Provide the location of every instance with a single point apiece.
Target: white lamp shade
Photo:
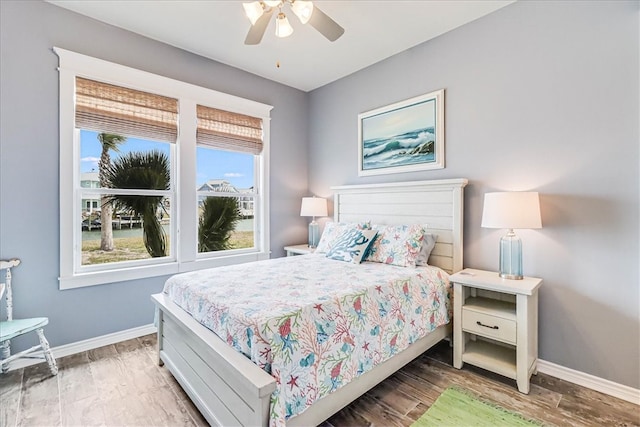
(303, 10)
(253, 10)
(313, 206)
(514, 209)
(283, 28)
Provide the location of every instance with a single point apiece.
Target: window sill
(149, 271)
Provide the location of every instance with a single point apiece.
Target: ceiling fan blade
(254, 36)
(325, 25)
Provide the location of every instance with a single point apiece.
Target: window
(135, 204)
(176, 172)
(127, 220)
(223, 139)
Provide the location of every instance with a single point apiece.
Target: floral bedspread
(314, 323)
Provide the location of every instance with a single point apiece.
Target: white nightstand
(495, 324)
(298, 250)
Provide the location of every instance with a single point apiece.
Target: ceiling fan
(259, 13)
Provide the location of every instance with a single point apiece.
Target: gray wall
(539, 96)
(29, 202)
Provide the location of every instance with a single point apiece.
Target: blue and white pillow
(334, 230)
(352, 245)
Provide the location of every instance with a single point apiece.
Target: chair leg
(5, 352)
(51, 361)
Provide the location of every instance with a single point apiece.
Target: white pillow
(428, 243)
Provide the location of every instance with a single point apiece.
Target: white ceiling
(374, 30)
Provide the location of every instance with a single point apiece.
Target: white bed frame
(231, 390)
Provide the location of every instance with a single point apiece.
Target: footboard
(227, 387)
(230, 390)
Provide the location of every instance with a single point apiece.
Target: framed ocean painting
(406, 136)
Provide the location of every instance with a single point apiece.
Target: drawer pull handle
(479, 323)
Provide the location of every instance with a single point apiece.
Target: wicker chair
(12, 328)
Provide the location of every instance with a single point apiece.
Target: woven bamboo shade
(229, 131)
(103, 107)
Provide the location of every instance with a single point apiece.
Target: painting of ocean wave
(403, 137)
(406, 149)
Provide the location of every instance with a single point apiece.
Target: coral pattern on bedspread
(312, 322)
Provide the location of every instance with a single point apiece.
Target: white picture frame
(407, 136)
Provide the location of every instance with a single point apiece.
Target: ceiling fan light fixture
(302, 9)
(253, 10)
(305, 10)
(283, 28)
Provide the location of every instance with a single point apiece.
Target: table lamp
(511, 210)
(313, 207)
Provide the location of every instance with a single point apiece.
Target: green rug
(457, 407)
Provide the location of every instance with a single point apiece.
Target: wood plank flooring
(121, 385)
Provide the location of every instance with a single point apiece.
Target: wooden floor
(121, 385)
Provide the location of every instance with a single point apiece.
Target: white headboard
(438, 203)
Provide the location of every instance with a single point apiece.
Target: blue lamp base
(314, 234)
(511, 256)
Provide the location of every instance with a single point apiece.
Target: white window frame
(184, 256)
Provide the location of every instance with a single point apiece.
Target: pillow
(352, 245)
(333, 230)
(396, 244)
(428, 243)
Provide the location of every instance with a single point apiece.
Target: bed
(230, 389)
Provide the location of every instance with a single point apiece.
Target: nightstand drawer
(489, 326)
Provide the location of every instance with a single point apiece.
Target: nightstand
(495, 324)
(298, 250)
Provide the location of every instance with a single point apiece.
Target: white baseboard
(89, 344)
(620, 391)
(610, 388)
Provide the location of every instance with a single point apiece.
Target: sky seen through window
(237, 168)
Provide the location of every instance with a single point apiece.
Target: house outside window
(89, 180)
(182, 184)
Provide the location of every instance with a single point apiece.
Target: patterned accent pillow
(333, 230)
(352, 246)
(396, 244)
(428, 243)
